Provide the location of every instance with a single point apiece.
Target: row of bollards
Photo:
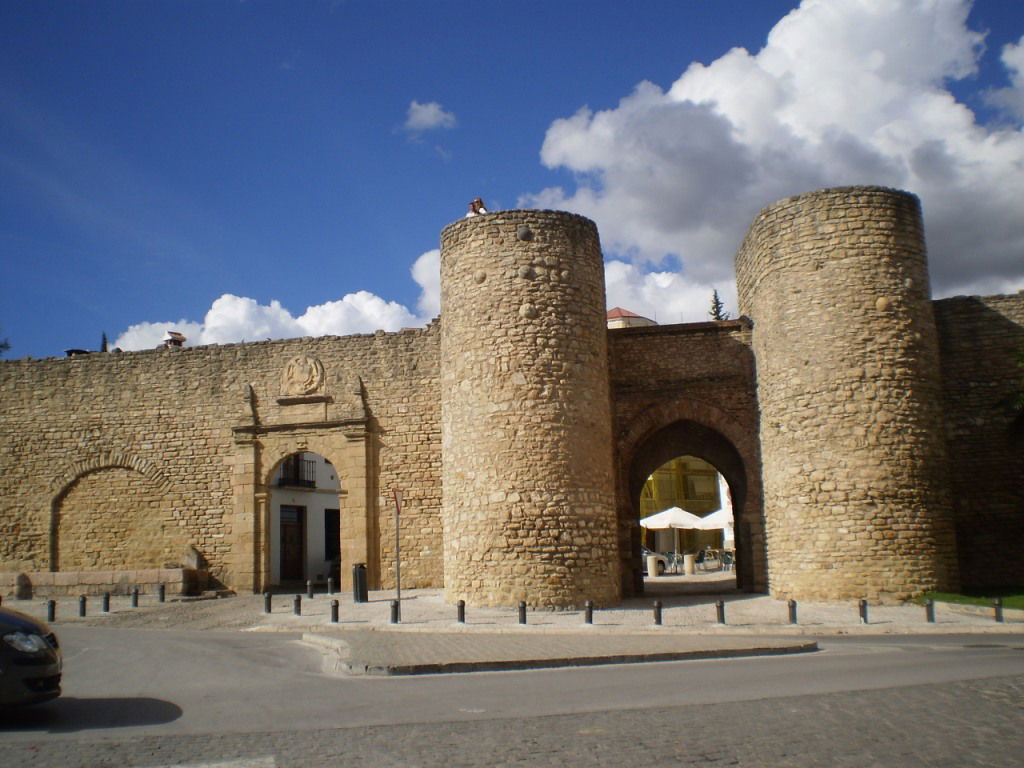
(588, 607)
(83, 603)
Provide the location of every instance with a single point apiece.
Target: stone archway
(260, 451)
(685, 427)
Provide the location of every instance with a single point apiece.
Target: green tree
(717, 311)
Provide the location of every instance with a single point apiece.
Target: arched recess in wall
(110, 511)
(683, 427)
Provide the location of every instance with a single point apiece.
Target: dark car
(30, 660)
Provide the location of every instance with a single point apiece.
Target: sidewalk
(430, 640)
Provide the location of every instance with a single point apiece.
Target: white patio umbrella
(672, 518)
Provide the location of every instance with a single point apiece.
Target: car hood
(15, 621)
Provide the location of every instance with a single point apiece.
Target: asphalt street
(228, 698)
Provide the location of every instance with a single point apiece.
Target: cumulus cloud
(1011, 99)
(843, 92)
(427, 117)
(237, 318)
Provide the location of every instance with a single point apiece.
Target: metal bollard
(522, 611)
(82, 599)
(461, 612)
(106, 602)
(359, 583)
(589, 615)
(720, 610)
(297, 605)
(792, 611)
(396, 617)
(161, 593)
(51, 610)
(657, 613)
(929, 611)
(309, 589)
(135, 597)
(334, 611)
(997, 604)
(863, 611)
(267, 602)
(330, 585)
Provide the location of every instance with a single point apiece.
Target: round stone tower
(528, 500)
(856, 497)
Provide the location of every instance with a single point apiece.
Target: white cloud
(844, 92)
(1011, 99)
(427, 117)
(238, 318)
(664, 296)
(426, 271)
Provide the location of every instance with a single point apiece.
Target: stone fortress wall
(855, 470)
(857, 433)
(123, 461)
(528, 489)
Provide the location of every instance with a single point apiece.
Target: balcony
(297, 472)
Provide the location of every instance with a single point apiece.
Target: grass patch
(1012, 597)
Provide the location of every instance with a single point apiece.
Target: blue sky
(248, 170)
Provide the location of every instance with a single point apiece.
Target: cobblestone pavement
(973, 723)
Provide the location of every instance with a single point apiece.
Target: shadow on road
(67, 715)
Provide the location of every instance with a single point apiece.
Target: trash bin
(689, 564)
(652, 565)
(359, 592)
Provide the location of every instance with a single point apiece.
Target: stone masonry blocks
(856, 495)
(528, 497)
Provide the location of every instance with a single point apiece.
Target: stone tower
(528, 500)
(856, 495)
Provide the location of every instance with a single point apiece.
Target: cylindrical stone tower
(528, 500)
(856, 495)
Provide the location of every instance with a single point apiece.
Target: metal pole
(135, 597)
(461, 612)
(792, 611)
(309, 589)
(297, 605)
(396, 617)
(160, 593)
(330, 585)
(522, 611)
(997, 604)
(657, 613)
(929, 611)
(266, 602)
(51, 610)
(106, 602)
(81, 604)
(589, 606)
(334, 611)
(398, 551)
(720, 610)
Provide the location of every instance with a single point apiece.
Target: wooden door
(293, 543)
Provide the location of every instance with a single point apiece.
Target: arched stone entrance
(668, 430)
(350, 448)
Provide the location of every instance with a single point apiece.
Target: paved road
(153, 698)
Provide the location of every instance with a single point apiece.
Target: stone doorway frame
(351, 447)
